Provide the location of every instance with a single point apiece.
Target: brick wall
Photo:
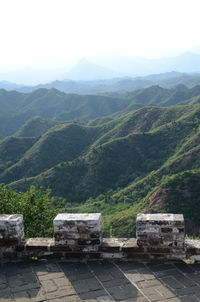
(79, 236)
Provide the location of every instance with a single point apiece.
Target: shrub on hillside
(37, 207)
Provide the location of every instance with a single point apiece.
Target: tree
(36, 206)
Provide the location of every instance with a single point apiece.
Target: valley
(117, 153)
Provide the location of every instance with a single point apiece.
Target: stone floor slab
(99, 281)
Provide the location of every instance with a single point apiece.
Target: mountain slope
(119, 161)
(61, 143)
(120, 207)
(105, 167)
(180, 194)
(34, 127)
(69, 141)
(155, 95)
(18, 108)
(12, 149)
(119, 165)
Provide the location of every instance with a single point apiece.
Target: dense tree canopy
(37, 207)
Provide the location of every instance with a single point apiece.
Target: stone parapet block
(11, 230)
(79, 232)
(161, 231)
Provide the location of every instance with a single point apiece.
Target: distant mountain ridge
(17, 108)
(187, 62)
(112, 86)
(101, 69)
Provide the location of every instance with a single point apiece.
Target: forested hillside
(18, 108)
(119, 155)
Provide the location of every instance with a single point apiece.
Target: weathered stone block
(161, 231)
(11, 229)
(79, 231)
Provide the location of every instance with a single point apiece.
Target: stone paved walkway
(99, 281)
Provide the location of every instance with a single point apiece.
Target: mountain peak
(87, 70)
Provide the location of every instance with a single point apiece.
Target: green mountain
(35, 127)
(118, 167)
(114, 160)
(155, 95)
(100, 155)
(60, 143)
(180, 193)
(67, 142)
(18, 108)
(12, 149)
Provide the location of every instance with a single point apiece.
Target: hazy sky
(51, 33)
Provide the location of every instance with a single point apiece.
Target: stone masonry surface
(79, 237)
(11, 229)
(111, 248)
(98, 281)
(164, 232)
(79, 232)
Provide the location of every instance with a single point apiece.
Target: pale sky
(53, 33)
